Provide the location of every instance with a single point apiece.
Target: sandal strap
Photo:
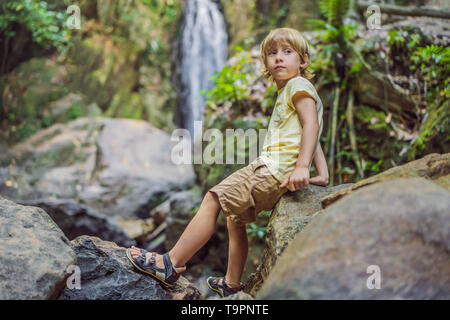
(141, 259)
(152, 260)
(216, 280)
(240, 284)
(220, 286)
(168, 267)
(147, 263)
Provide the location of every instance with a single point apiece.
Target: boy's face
(283, 62)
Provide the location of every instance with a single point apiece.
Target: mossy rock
(29, 91)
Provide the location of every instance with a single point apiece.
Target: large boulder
(76, 220)
(119, 167)
(291, 214)
(397, 229)
(34, 253)
(107, 274)
(182, 206)
(434, 166)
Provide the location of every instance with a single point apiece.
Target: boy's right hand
(298, 178)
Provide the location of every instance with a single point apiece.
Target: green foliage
(163, 8)
(228, 86)
(431, 65)
(278, 15)
(230, 83)
(402, 44)
(256, 230)
(433, 62)
(47, 27)
(412, 52)
(75, 111)
(163, 16)
(334, 10)
(269, 99)
(335, 39)
(375, 119)
(323, 63)
(414, 41)
(396, 38)
(372, 166)
(402, 38)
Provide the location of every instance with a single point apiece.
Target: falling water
(204, 44)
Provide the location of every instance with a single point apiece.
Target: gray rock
(291, 214)
(433, 166)
(159, 213)
(34, 253)
(76, 220)
(402, 226)
(237, 296)
(181, 206)
(134, 171)
(107, 274)
(119, 167)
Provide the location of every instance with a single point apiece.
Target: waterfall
(204, 48)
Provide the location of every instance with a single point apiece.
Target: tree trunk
(334, 117)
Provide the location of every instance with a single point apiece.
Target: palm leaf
(334, 10)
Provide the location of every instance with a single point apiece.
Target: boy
(292, 141)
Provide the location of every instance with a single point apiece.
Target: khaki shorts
(248, 191)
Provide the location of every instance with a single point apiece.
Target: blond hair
(295, 39)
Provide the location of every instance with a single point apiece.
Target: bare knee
(211, 197)
(211, 200)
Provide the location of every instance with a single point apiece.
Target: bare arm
(321, 167)
(307, 114)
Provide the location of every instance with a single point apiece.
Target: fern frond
(334, 10)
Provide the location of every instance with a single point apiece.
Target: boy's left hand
(299, 178)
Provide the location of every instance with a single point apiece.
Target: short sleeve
(300, 85)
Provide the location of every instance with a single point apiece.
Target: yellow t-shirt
(282, 142)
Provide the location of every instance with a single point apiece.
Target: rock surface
(241, 295)
(76, 220)
(434, 166)
(291, 214)
(401, 226)
(119, 167)
(181, 206)
(34, 253)
(107, 274)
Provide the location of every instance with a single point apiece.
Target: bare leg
(197, 233)
(237, 252)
